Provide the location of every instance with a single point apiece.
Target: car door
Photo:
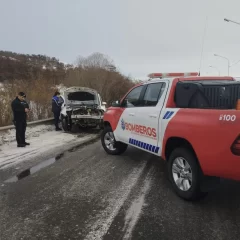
(147, 117)
(126, 114)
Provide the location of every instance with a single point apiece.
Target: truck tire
(185, 174)
(110, 145)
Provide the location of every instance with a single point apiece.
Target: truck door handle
(152, 115)
(131, 114)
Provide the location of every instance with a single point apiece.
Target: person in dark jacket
(20, 109)
(57, 102)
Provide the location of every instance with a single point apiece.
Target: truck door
(126, 121)
(147, 119)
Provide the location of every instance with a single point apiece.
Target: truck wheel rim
(109, 141)
(182, 173)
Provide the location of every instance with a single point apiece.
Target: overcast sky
(141, 36)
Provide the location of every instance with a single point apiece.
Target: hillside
(15, 66)
(39, 76)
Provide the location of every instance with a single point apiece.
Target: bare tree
(96, 60)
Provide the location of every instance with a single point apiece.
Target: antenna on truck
(203, 40)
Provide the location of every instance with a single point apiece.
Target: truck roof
(195, 78)
(174, 78)
(186, 76)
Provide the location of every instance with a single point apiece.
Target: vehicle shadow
(216, 216)
(225, 193)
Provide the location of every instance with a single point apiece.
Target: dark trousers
(20, 131)
(56, 118)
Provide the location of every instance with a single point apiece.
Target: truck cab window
(132, 99)
(153, 93)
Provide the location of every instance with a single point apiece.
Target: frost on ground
(116, 200)
(136, 208)
(42, 138)
(32, 131)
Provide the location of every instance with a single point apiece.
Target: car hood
(80, 95)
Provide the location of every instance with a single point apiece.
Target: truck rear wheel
(185, 174)
(110, 145)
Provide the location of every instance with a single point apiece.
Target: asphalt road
(88, 194)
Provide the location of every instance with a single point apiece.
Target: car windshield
(83, 97)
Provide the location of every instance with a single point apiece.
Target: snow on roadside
(32, 131)
(42, 138)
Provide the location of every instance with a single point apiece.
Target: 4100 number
(225, 117)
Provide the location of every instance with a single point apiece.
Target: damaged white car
(83, 107)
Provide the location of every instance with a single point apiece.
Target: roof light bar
(163, 75)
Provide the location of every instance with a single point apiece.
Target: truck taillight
(235, 148)
(238, 105)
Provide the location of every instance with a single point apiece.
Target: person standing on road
(57, 102)
(20, 109)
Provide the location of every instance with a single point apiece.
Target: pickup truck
(190, 121)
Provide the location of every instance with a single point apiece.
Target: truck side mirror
(116, 103)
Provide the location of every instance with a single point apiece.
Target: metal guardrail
(5, 128)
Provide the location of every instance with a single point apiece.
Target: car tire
(110, 145)
(101, 125)
(65, 125)
(75, 128)
(185, 174)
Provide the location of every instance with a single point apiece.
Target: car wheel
(101, 125)
(185, 174)
(75, 128)
(110, 145)
(66, 127)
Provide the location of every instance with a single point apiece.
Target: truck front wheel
(110, 145)
(185, 174)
